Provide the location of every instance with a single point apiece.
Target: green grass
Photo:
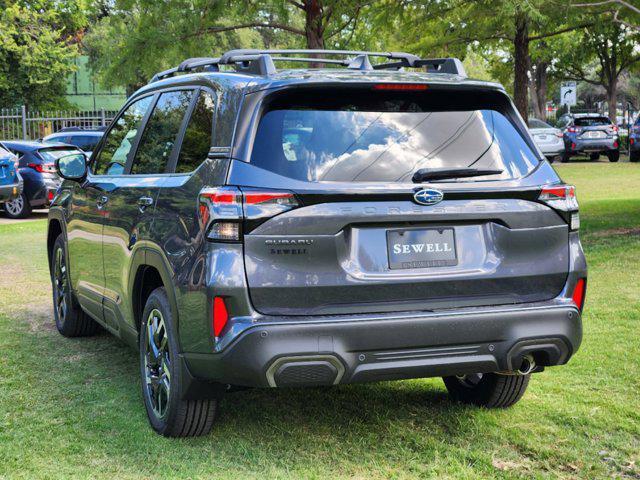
(72, 408)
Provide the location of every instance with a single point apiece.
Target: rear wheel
(613, 156)
(489, 390)
(18, 207)
(634, 156)
(71, 321)
(168, 413)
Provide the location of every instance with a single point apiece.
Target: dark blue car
(10, 180)
(36, 164)
(634, 141)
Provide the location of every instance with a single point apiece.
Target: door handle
(102, 201)
(144, 202)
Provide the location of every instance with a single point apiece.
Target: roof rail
(261, 62)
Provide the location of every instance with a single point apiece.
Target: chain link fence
(22, 124)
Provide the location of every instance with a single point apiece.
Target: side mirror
(72, 167)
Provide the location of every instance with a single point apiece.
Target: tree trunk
(313, 23)
(612, 100)
(538, 87)
(521, 64)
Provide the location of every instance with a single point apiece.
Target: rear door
(365, 238)
(132, 198)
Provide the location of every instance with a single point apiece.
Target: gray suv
(244, 226)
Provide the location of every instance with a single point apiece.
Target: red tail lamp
(220, 315)
(579, 292)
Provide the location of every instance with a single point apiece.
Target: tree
(168, 31)
(508, 26)
(607, 50)
(622, 11)
(37, 50)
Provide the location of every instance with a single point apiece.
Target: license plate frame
(438, 248)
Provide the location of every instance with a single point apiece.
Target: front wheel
(19, 207)
(613, 156)
(490, 390)
(168, 413)
(71, 320)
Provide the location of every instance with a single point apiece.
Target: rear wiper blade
(425, 174)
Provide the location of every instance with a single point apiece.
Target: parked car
(589, 134)
(36, 164)
(548, 139)
(86, 140)
(336, 226)
(10, 180)
(634, 138)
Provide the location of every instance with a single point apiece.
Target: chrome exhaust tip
(527, 366)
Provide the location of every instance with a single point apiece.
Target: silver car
(547, 138)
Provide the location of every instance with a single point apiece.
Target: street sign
(568, 92)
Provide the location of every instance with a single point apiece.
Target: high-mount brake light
(406, 87)
(579, 293)
(563, 198)
(222, 210)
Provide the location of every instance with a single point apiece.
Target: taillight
(559, 134)
(579, 293)
(220, 316)
(223, 210)
(573, 129)
(43, 167)
(563, 198)
(404, 87)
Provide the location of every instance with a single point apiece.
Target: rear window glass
(53, 155)
(85, 142)
(387, 141)
(535, 123)
(592, 122)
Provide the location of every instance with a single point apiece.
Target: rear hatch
(594, 128)
(360, 236)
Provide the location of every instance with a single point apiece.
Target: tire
(613, 156)
(161, 375)
(634, 156)
(594, 156)
(18, 207)
(70, 320)
(489, 390)
(565, 157)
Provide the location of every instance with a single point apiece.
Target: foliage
(37, 50)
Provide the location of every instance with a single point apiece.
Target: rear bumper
(390, 347)
(11, 191)
(593, 146)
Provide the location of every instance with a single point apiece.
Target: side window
(197, 137)
(160, 133)
(112, 158)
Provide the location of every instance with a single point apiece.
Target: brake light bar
(411, 87)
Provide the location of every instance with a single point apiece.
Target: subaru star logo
(428, 196)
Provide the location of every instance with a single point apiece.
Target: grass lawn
(72, 408)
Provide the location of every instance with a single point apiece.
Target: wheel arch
(151, 272)
(55, 227)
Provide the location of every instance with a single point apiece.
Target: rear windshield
(535, 123)
(387, 140)
(592, 122)
(53, 154)
(85, 142)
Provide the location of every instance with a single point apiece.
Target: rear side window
(592, 122)
(387, 141)
(159, 135)
(197, 137)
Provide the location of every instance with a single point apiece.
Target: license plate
(542, 137)
(421, 248)
(595, 135)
